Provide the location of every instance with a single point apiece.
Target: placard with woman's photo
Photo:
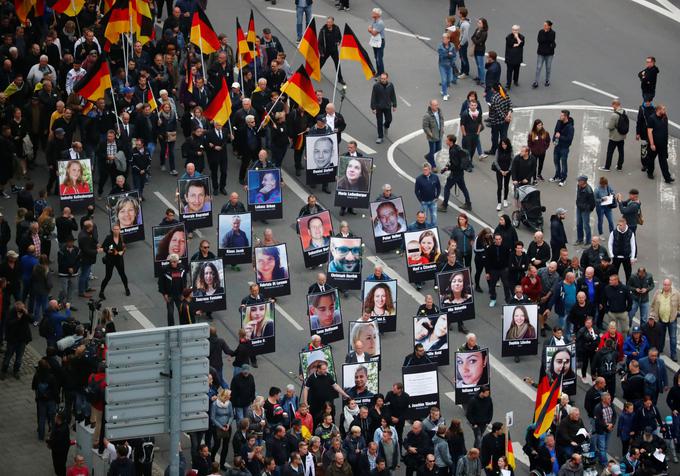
(353, 185)
(456, 295)
(125, 210)
(380, 302)
(207, 285)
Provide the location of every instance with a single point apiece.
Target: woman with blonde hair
(257, 417)
(46, 224)
(221, 418)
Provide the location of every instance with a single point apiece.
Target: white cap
(235, 85)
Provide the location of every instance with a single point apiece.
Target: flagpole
(115, 108)
(125, 60)
(335, 84)
(240, 65)
(200, 47)
(273, 106)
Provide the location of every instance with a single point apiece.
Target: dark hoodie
(566, 131)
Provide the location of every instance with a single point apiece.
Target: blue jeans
(240, 412)
(602, 440)
(84, 278)
(430, 210)
(435, 146)
(672, 328)
(560, 155)
(39, 306)
(46, 411)
(82, 407)
(139, 181)
(481, 71)
(562, 322)
(644, 311)
(299, 11)
(540, 61)
(151, 148)
(447, 77)
(15, 349)
(464, 62)
(379, 53)
(583, 225)
(605, 212)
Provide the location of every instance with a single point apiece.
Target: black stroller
(530, 212)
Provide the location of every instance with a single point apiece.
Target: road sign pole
(175, 399)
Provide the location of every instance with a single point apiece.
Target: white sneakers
(505, 204)
(498, 207)
(446, 97)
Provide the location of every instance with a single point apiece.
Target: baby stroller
(530, 212)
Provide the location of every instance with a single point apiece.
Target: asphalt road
(599, 43)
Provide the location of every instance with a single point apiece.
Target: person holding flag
(329, 39)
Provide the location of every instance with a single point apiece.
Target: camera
(114, 311)
(94, 305)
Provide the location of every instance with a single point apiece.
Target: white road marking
(592, 88)
(139, 317)
(360, 145)
(288, 317)
(500, 58)
(403, 33)
(169, 204)
(671, 11)
(405, 101)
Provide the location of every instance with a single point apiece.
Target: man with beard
(346, 253)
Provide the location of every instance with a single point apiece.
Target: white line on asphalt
(669, 6)
(671, 11)
(360, 145)
(288, 317)
(592, 88)
(169, 204)
(403, 33)
(139, 317)
(405, 101)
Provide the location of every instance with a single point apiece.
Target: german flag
(89, 105)
(253, 47)
(94, 84)
(117, 21)
(151, 100)
(142, 20)
(547, 396)
(510, 453)
(189, 80)
(202, 33)
(68, 7)
(351, 49)
(242, 50)
(309, 48)
(106, 5)
(299, 88)
(299, 141)
(219, 109)
(23, 8)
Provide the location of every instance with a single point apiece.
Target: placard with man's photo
(195, 201)
(315, 237)
(235, 238)
(322, 158)
(388, 223)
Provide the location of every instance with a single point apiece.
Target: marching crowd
(160, 92)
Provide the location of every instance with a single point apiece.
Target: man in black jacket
(558, 236)
(417, 445)
(18, 335)
(496, 262)
(68, 264)
(493, 445)
(396, 403)
(217, 140)
(218, 346)
(242, 391)
(539, 251)
(88, 257)
(479, 413)
(329, 41)
(617, 301)
(585, 204)
(383, 103)
(591, 256)
(458, 160)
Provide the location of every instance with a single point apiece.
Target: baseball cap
(246, 368)
(583, 178)
(235, 85)
(127, 90)
(636, 329)
(321, 118)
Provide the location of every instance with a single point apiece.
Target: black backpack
(45, 328)
(623, 124)
(93, 391)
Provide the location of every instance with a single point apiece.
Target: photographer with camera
(55, 318)
(18, 335)
(114, 247)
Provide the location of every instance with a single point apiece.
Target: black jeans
(479, 267)
(498, 132)
(611, 145)
(540, 159)
(334, 56)
(119, 264)
(662, 153)
(455, 180)
(218, 172)
(173, 302)
(502, 185)
(384, 118)
(627, 267)
(494, 276)
(512, 73)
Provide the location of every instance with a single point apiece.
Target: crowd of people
(617, 323)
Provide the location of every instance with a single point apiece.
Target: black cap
(321, 118)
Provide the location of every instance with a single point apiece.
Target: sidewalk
(20, 448)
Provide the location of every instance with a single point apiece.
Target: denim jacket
(444, 52)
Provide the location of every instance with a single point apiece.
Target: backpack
(607, 364)
(147, 450)
(42, 390)
(623, 124)
(45, 327)
(93, 390)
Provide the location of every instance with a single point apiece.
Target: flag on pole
(242, 50)
(96, 82)
(299, 88)
(253, 47)
(151, 100)
(219, 109)
(117, 21)
(351, 49)
(142, 20)
(202, 33)
(68, 7)
(106, 5)
(547, 396)
(309, 48)
(23, 8)
(189, 81)
(510, 453)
